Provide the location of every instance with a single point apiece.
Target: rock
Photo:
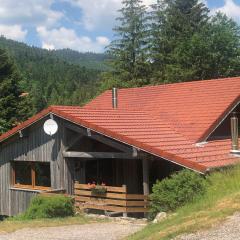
(160, 216)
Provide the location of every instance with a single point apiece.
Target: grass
(221, 200)
(13, 224)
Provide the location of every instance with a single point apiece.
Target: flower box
(97, 189)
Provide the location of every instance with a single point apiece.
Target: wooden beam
(101, 138)
(73, 141)
(94, 155)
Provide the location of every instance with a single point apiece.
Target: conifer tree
(12, 109)
(174, 24)
(221, 57)
(129, 49)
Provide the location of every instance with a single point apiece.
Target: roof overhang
(204, 137)
(107, 133)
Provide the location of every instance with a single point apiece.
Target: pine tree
(129, 49)
(11, 101)
(157, 46)
(175, 22)
(222, 56)
(42, 71)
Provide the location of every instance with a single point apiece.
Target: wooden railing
(115, 199)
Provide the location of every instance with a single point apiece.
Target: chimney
(234, 132)
(114, 98)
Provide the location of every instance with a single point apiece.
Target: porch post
(145, 166)
(125, 213)
(83, 172)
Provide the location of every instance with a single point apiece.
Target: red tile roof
(164, 120)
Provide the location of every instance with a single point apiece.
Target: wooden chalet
(126, 139)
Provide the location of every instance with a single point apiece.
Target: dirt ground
(95, 231)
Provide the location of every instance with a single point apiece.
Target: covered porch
(122, 170)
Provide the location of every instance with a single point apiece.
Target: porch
(126, 173)
(122, 179)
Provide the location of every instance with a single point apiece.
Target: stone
(160, 216)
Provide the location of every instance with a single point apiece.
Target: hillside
(96, 61)
(55, 77)
(88, 60)
(211, 209)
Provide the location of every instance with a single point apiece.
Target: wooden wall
(36, 146)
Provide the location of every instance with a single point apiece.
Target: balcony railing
(114, 199)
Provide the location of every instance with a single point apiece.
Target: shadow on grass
(2, 217)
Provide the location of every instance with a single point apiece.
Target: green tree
(11, 101)
(187, 44)
(174, 23)
(129, 50)
(55, 77)
(222, 55)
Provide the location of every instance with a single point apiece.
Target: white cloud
(100, 14)
(67, 38)
(104, 41)
(14, 32)
(231, 9)
(204, 2)
(28, 12)
(48, 46)
(148, 2)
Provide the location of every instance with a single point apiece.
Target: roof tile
(164, 120)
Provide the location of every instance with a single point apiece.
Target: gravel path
(229, 230)
(95, 231)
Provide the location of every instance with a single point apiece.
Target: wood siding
(36, 146)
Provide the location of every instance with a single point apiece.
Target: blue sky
(83, 25)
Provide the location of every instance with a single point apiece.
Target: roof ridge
(179, 83)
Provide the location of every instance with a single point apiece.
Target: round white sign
(50, 127)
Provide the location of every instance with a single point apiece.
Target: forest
(55, 77)
(170, 41)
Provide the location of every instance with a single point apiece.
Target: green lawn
(221, 200)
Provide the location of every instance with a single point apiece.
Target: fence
(113, 199)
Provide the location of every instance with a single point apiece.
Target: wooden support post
(145, 167)
(125, 214)
(83, 172)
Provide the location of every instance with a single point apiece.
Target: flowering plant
(97, 188)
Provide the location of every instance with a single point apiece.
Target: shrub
(49, 207)
(175, 191)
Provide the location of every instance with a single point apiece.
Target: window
(23, 173)
(42, 174)
(34, 175)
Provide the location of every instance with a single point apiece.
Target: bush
(49, 207)
(175, 191)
